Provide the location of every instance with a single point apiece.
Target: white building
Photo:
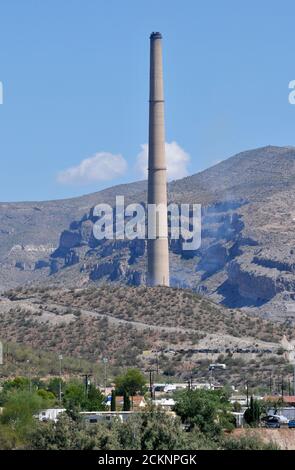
(165, 403)
(93, 417)
(51, 414)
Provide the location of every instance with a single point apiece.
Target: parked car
(291, 423)
(282, 419)
(272, 423)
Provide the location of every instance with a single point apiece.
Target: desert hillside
(173, 330)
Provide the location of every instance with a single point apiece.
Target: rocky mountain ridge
(247, 255)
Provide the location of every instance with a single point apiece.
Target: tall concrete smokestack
(157, 249)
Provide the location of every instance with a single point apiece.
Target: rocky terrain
(175, 331)
(246, 259)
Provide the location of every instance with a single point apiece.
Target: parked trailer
(217, 366)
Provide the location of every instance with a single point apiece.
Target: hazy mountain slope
(252, 173)
(31, 230)
(41, 222)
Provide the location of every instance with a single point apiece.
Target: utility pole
(191, 375)
(150, 371)
(87, 376)
(29, 375)
(282, 387)
(60, 371)
(247, 392)
(211, 376)
(157, 361)
(105, 361)
(270, 385)
(191, 381)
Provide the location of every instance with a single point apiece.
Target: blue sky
(75, 80)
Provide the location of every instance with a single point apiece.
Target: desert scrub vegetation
(160, 306)
(122, 322)
(86, 337)
(25, 360)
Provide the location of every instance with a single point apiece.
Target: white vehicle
(282, 419)
(217, 366)
(173, 387)
(169, 388)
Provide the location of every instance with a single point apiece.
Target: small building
(284, 405)
(201, 386)
(50, 414)
(287, 411)
(169, 388)
(239, 417)
(173, 387)
(286, 400)
(137, 402)
(165, 403)
(106, 391)
(216, 386)
(241, 399)
(94, 417)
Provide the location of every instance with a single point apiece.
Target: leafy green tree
(95, 400)
(54, 384)
(18, 383)
(126, 402)
(47, 396)
(160, 431)
(252, 414)
(208, 410)
(154, 429)
(75, 397)
(113, 401)
(18, 413)
(37, 383)
(132, 382)
(73, 434)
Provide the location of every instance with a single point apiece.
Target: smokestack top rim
(156, 35)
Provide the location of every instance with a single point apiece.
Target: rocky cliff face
(247, 255)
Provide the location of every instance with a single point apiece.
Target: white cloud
(103, 166)
(177, 160)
